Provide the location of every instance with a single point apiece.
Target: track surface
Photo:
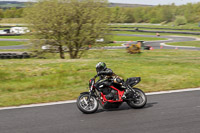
(165, 113)
(154, 44)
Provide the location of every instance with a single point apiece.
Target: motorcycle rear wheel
(87, 106)
(139, 101)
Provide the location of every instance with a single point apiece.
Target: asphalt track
(157, 44)
(164, 113)
(154, 44)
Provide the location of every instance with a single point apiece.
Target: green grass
(135, 38)
(114, 44)
(26, 81)
(14, 21)
(130, 32)
(16, 37)
(15, 50)
(169, 25)
(109, 44)
(190, 43)
(146, 29)
(11, 43)
(161, 34)
(115, 38)
(3, 28)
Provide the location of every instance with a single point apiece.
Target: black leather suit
(106, 73)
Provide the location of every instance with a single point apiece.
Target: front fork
(132, 90)
(90, 93)
(129, 88)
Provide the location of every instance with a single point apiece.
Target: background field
(16, 37)
(11, 43)
(134, 38)
(112, 38)
(28, 81)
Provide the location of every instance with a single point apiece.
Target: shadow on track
(126, 107)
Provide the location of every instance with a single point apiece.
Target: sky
(147, 2)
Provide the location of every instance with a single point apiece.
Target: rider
(105, 73)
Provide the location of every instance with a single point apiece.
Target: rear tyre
(87, 105)
(139, 101)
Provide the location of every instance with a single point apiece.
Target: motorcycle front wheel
(87, 105)
(139, 99)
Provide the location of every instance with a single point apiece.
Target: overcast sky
(148, 2)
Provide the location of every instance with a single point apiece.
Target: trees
(11, 12)
(71, 23)
(161, 13)
(118, 15)
(1, 14)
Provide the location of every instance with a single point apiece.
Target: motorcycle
(111, 95)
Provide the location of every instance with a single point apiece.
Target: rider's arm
(107, 72)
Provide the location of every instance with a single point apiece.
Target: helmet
(100, 66)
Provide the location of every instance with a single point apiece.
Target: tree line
(157, 14)
(11, 12)
(153, 14)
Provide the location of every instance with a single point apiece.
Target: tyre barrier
(14, 55)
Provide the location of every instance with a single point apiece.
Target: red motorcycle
(111, 95)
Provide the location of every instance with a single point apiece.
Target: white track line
(173, 91)
(38, 105)
(73, 101)
(163, 44)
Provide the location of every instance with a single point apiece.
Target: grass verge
(11, 43)
(135, 38)
(26, 81)
(16, 37)
(169, 25)
(190, 43)
(14, 21)
(15, 50)
(161, 34)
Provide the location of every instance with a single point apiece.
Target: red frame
(120, 94)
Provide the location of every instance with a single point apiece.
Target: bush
(180, 20)
(154, 20)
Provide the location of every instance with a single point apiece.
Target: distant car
(50, 47)
(3, 32)
(100, 40)
(7, 30)
(19, 30)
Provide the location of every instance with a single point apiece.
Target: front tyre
(87, 105)
(139, 99)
